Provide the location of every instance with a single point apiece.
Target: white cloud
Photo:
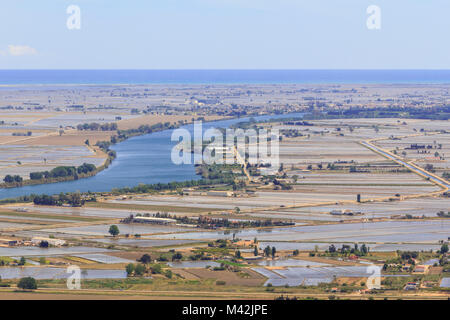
(14, 50)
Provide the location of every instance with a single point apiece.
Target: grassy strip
(181, 245)
(234, 264)
(47, 216)
(27, 222)
(80, 260)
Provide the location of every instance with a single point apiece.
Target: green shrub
(27, 283)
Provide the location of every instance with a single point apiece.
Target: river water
(143, 159)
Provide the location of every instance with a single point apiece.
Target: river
(143, 159)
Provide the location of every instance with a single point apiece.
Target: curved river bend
(143, 159)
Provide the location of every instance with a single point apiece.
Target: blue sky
(225, 34)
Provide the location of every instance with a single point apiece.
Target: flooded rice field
(35, 219)
(83, 211)
(389, 231)
(103, 258)
(374, 247)
(445, 283)
(416, 207)
(102, 230)
(8, 225)
(296, 276)
(290, 263)
(47, 252)
(57, 273)
(145, 243)
(42, 158)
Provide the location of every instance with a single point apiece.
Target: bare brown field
(306, 257)
(9, 139)
(72, 138)
(185, 274)
(435, 270)
(351, 281)
(129, 255)
(230, 278)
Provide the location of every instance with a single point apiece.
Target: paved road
(416, 169)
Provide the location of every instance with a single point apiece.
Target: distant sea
(105, 77)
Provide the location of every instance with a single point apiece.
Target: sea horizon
(20, 77)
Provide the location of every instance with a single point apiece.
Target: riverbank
(116, 137)
(142, 159)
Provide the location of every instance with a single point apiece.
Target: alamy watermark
(74, 20)
(374, 20)
(226, 146)
(374, 280)
(74, 279)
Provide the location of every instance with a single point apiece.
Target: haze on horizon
(225, 34)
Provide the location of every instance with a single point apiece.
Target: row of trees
(347, 249)
(22, 134)
(442, 214)
(97, 126)
(63, 171)
(268, 251)
(435, 113)
(74, 199)
(145, 129)
(13, 179)
(147, 188)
